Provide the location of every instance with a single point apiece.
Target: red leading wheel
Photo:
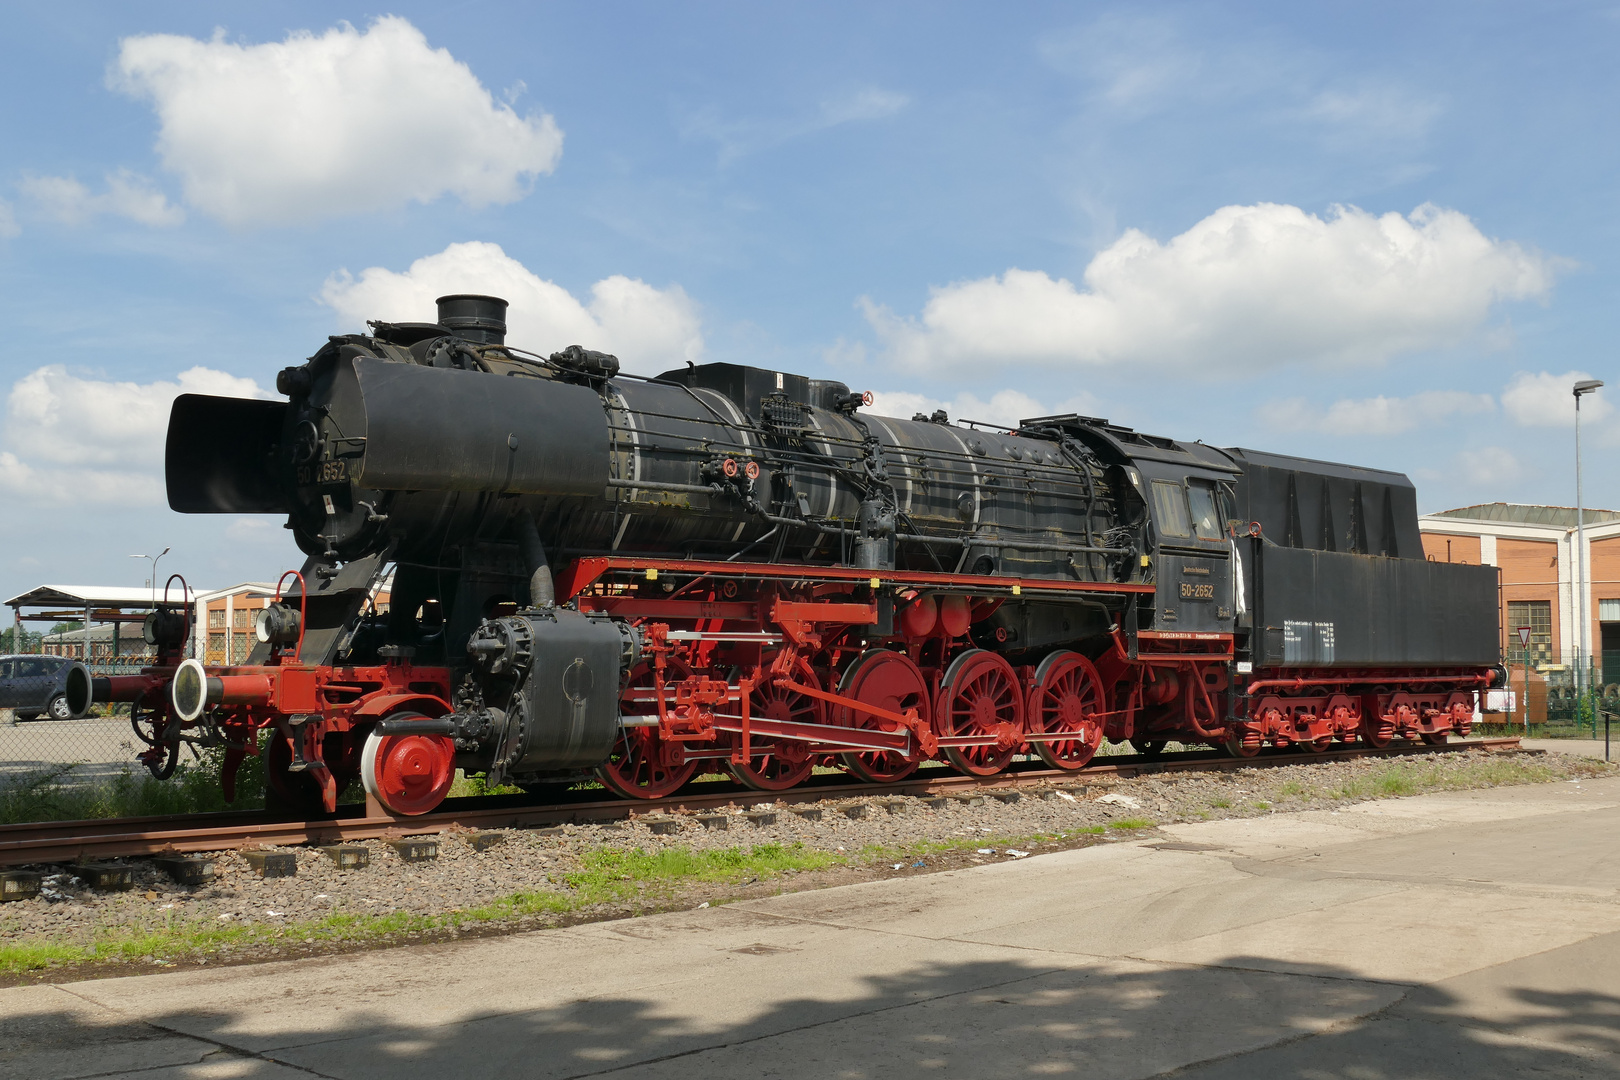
(638, 767)
(1067, 699)
(980, 697)
(776, 765)
(409, 774)
(892, 682)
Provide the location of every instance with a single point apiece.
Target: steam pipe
(542, 590)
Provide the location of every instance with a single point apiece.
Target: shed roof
(95, 595)
(1556, 517)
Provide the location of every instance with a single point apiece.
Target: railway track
(70, 841)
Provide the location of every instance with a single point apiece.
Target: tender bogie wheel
(1239, 747)
(637, 768)
(1435, 738)
(1377, 731)
(58, 708)
(775, 765)
(1067, 697)
(409, 774)
(980, 696)
(892, 682)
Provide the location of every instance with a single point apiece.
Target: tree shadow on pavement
(1042, 1017)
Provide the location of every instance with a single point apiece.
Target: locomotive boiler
(729, 568)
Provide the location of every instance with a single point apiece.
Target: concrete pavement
(1467, 934)
(1592, 748)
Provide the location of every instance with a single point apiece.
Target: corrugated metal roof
(1557, 517)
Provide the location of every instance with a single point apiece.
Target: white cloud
(1488, 467)
(1547, 400)
(1005, 407)
(1246, 289)
(1376, 415)
(318, 126)
(647, 328)
(869, 103)
(78, 440)
(739, 138)
(1372, 111)
(8, 220)
(127, 194)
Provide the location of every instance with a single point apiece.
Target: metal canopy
(77, 596)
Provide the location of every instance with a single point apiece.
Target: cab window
(1205, 518)
(1170, 508)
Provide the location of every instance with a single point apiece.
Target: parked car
(53, 686)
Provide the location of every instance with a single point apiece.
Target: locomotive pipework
(727, 567)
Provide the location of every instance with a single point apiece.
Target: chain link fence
(54, 768)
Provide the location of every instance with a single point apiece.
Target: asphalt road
(1459, 935)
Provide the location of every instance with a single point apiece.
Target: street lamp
(165, 551)
(1582, 642)
(153, 583)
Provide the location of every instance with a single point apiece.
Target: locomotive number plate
(1197, 590)
(324, 472)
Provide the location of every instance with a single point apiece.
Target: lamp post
(154, 588)
(1582, 645)
(165, 551)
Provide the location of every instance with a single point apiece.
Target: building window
(1537, 615)
(216, 618)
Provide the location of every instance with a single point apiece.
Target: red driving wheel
(892, 682)
(980, 697)
(1067, 698)
(409, 774)
(776, 765)
(638, 767)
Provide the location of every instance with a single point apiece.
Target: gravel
(897, 836)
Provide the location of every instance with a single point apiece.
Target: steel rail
(73, 841)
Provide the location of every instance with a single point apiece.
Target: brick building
(226, 618)
(1534, 548)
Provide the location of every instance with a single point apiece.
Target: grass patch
(1416, 776)
(1221, 804)
(1262, 806)
(464, 786)
(1290, 787)
(56, 794)
(1131, 823)
(609, 874)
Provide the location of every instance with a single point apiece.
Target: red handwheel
(409, 774)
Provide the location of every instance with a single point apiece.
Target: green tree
(10, 638)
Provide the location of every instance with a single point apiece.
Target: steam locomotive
(729, 568)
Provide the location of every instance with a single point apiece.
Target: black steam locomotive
(724, 567)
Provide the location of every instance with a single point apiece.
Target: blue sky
(1371, 233)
